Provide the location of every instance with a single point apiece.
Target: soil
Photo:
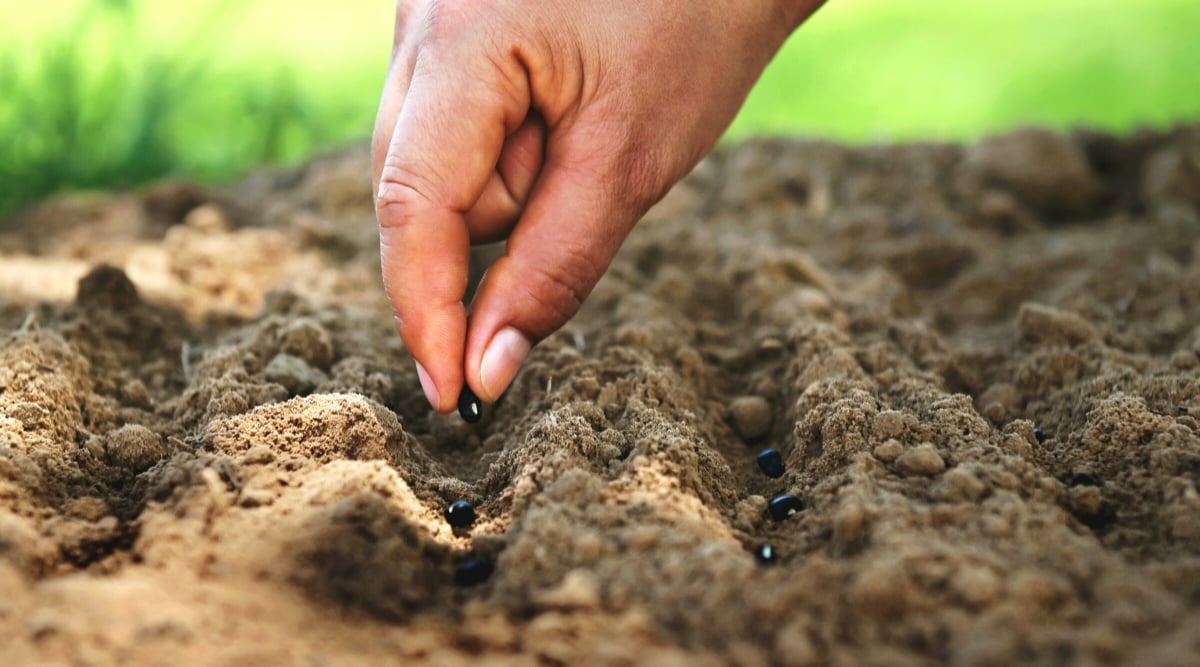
(981, 365)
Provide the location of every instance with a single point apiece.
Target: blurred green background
(111, 93)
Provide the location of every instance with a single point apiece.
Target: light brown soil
(220, 454)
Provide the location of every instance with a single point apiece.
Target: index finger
(444, 148)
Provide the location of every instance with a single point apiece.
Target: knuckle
(561, 287)
(398, 198)
(445, 20)
(632, 164)
(394, 204)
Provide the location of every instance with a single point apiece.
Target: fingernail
(502, 360)
(427, 386)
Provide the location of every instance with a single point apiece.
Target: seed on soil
(782, 507)
(1082, 479)
(771, 463)
(1039, 435)
(765, 554)
(460, 514)
(1104, 516)
(473, 572)
(470, 408)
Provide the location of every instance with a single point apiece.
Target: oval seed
(473, 572)
(460, 514)
(765, 554)
(470, 408)
(783, 507)
(771, 463)
(1082, 479)
(1039, 435)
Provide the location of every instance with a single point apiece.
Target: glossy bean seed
(1082, 479)
(783, 507)
(470, 408)
(765, 554)
(460, 514)
(473, 572)
(771, 463)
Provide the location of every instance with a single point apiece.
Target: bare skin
(553, 124)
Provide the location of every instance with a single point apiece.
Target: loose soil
(980, 363)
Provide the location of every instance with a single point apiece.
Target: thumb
(576, 218)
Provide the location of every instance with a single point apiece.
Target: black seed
(460, 514)
(473, 572)
(782, 507)
(1106, 517)
(1181, 409)
(1082, 479)
(771, 463)
(470, 408)
(764, 554)
(1037, 435)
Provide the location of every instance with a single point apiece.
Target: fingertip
(440, 390)
(428, 386)
(502, 358)
(436, 342)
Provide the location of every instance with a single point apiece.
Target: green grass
(958, 69)
(123, 91)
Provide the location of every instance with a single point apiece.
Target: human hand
(554, 124)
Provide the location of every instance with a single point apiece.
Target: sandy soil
(981, 365)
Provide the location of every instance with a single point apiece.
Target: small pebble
(460, 514)
(1039, 435)
(771, 463)
(1082, 479)
(765, 554)
(470, 408)
(751, 417)
(473, 572)
(889, 451)
(922, 460)
(782, 507)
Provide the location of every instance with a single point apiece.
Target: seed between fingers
(470, 408)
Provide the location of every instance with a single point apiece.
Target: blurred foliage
(125, 91)
(97, 104)
(954, 69)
